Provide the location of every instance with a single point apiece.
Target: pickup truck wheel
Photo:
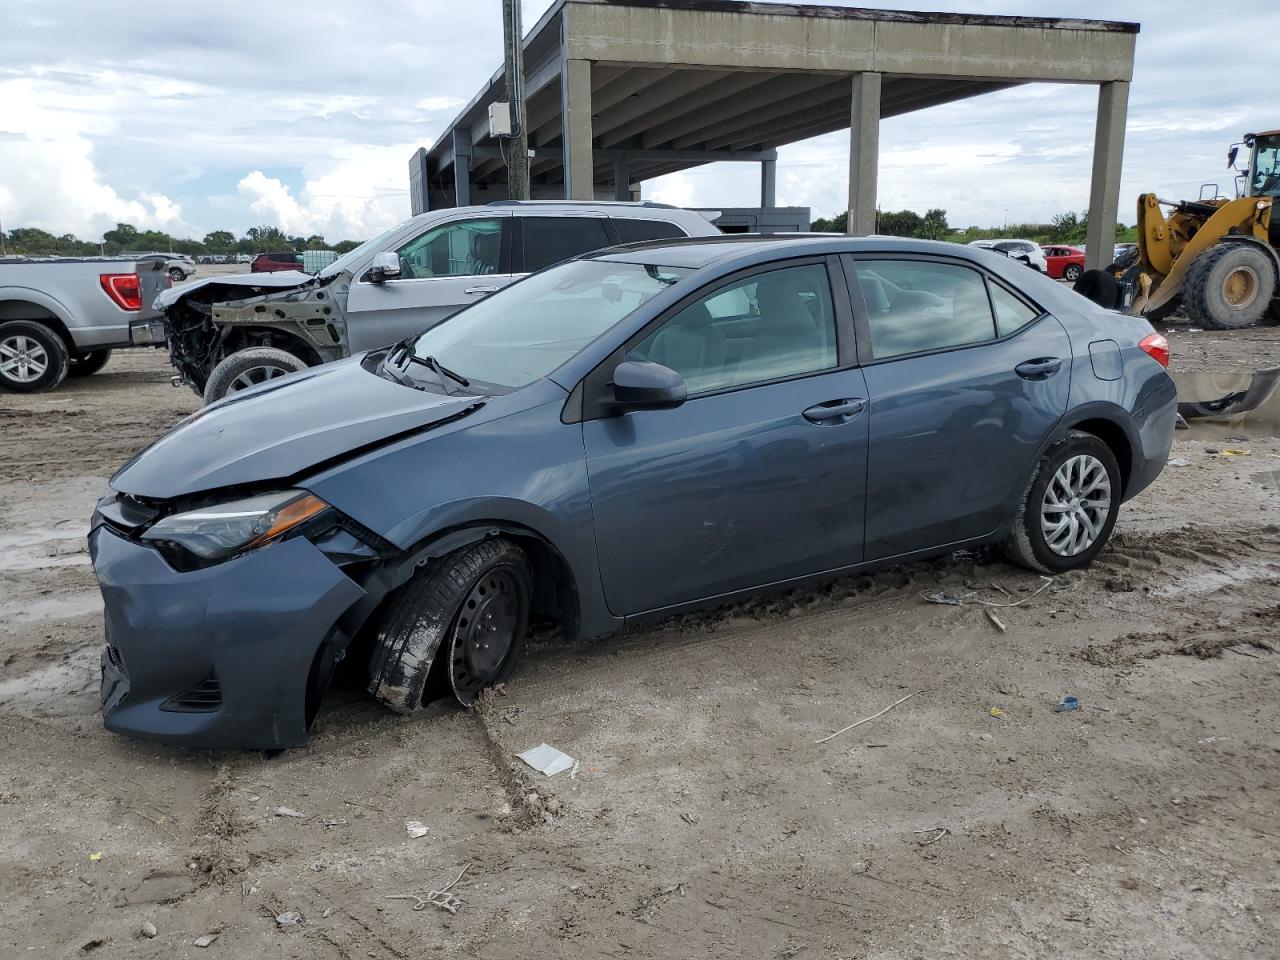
(32, 357)
(468, 613)
(249, 368)
(88, 363)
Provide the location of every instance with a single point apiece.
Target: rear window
(633, 231)
(549, 240)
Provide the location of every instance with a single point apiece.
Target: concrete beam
(1104, 191)
(639, 111)
(864, 153)
(691, 112)
(774, 102)
(575, 86)
(694, 156)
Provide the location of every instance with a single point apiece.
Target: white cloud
(440, 103)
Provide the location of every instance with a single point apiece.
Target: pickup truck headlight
(224, 529)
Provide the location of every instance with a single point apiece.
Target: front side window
(524, 331)
(549, 240)
(915, 305)
(465, 248)
(766, 327)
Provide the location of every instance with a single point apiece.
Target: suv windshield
(524, 331)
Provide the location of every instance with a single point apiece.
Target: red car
(1065, 263)
(275, 262)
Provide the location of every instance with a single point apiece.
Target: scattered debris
(648, 904)
(1067, 704)
(336, 822)
(328, 912)
(205, 940)
(510, 715)
(997, 713)
(289, 919)
(157, 888)
(319, 866)
(866, 719)
(960, 599)
(416, 828)
(1234, 452)
(288, 812)
(92, 945)
(1179, 462)
(441, 898)
(689, 818)
(938, 834)
(547, 760)
(148, 930)
(95, 856)
(991, 615)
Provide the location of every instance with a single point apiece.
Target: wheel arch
(38, 308)
(1241, 240)
(1111, 431)
(237, 337)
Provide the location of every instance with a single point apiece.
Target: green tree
(934, 226)
(836, 224)
(315, 242)
(219, 241)
(346, 246)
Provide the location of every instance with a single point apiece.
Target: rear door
(545, 239)
(442, 269)
(965, 379)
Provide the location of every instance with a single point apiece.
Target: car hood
(281, 429)
(281, 280)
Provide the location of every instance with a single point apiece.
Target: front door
(759, 476)
(965, 379)
(441, 271)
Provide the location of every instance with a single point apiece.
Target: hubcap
(22, 359)
(1241, 287)
(486, 630)
(1076, 505)
(256, 375)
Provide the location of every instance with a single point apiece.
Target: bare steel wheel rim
(485, 633)
(1241, 287)
(1076, 505)
(256, 375)
(23, 359)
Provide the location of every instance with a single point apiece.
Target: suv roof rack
(652, 204)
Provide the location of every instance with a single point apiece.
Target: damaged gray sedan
(234, 332)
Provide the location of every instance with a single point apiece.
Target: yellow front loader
(1216, 258)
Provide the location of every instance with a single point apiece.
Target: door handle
(479, 290)
(834, 411)
(1039, 369)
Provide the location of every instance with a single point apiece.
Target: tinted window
(769, 326)
(1011, 313)
(915, 305)
(464, 248)
(549, 240)
(632, 231)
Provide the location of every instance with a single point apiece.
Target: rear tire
(32, 357)
(452, 606)
(249, 368)
(1069, 510)
(1230, 286)
(88, 363)
(177, 275)
(1072, 272)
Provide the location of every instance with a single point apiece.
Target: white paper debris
(416, 828)
(288, 812)
(547, 760)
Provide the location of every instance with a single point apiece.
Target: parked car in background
(242, 258)
(228, 333)
(178, 265)
(1063, 262)
(276, 262)
(1024, 251)
(64, 316)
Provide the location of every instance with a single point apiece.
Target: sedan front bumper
(220, 657)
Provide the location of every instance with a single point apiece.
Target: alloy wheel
(256, 375)
(22, 359)
(1076, 505)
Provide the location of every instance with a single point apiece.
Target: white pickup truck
(63, 316)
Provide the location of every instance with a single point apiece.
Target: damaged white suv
(232, 332)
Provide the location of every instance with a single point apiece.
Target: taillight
(1156, 347)
(124, 289)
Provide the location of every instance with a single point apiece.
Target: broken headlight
(224, 529)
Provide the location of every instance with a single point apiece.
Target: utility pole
(518, 161)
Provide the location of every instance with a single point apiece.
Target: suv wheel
(249, 368)
(474, 606)
(177, 274)
(88, 363)
(1070, 508)
(32, 357)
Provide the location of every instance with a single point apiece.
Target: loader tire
(1229, 287)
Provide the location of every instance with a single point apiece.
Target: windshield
(1266, 167)
(351, 257)
(523, 332)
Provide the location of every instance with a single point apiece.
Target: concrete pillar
(621, 179)
(462, 166)
(575, 89)
(1108, 158)
(768, 183)
(864, 153)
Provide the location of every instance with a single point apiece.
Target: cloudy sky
(230, 114)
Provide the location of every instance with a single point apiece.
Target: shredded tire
(422, 616)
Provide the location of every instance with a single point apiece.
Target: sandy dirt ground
(703, 820)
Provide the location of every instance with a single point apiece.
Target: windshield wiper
(439, 369)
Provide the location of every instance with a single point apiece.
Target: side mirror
(647, 386)
(1231, 156)
(385, 266)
